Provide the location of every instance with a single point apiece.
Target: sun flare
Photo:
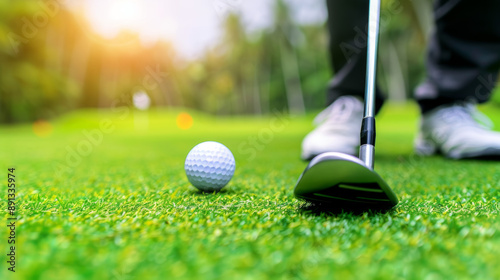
(152, 20)
(112, 16)
(126, 13)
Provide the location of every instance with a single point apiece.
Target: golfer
(463, 64)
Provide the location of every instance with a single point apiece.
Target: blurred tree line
(51, 62)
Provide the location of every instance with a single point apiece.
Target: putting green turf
(124, 209)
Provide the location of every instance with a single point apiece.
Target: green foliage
(496, 96)
(54, 66)
(31, 85)
(127, 210)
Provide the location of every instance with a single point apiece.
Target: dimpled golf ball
(209, 166)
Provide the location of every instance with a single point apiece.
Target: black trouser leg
(347, 24)
(464, 53)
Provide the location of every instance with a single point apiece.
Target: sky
(192, 25)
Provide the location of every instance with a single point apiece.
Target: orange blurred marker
(42, 128)
(184, 121)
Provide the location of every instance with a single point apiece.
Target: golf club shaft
(367, 149)
(371, 62)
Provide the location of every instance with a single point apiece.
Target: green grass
(126, 211)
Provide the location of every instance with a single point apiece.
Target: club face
(344, 181)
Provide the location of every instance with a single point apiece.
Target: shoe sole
(428, 148)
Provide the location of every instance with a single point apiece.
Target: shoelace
(466, 114)
(339, 111)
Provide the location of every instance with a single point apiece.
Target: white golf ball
(209, 166)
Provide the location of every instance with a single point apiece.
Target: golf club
(343, 181)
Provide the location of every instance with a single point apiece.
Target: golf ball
(209, 166)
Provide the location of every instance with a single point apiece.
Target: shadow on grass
(209, 193)
(414, 158)
(483, 159)
(329, 210)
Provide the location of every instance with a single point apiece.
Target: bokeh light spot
(42, 128)
(184, 121)
(141, 100)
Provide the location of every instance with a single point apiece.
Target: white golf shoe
(338, 129)
(457, 131)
